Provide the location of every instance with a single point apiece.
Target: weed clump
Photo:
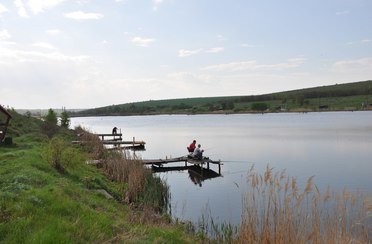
(61, 156)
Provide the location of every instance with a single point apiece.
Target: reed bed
(277, 210)
(143, 188)
(90, 143)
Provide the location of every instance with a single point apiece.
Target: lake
(335, 147)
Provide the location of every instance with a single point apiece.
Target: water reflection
(335, 147)
(197, 174)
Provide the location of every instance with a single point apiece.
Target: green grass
(39, 204)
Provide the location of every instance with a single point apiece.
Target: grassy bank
(48, 194)
(41, 203)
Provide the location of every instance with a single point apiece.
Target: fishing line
(235, 161)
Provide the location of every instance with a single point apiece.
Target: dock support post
(219, 167)
(207, 164)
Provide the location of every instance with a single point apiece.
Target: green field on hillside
(349, 96)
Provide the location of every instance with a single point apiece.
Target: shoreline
(226, 112)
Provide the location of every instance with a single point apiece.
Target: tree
(259, 106)
(50, 125)
(65, 119)
(51, 117)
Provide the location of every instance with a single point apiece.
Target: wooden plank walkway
(118, 134)
(117, 140)
(186, 159)
(113, 142)
(180, 159)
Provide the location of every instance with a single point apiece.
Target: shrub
(61, 156)
(259, 106)
(54, 152)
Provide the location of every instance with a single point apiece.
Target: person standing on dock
(192, 146)
(198, 153)
(114, 130)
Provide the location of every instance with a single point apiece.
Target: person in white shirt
(198, 152)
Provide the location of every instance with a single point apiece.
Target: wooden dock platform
(113, 142)
(186, 159)
(116, 140)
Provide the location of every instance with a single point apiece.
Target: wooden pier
(116, 136)
(116, 140)
(186, 159)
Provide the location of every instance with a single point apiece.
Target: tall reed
(277, 210)
(144, 188)
(90, 142)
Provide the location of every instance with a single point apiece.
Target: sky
(93, 53)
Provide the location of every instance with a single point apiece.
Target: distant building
(5, 117)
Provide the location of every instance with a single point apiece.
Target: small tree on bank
(65, 119)
(51, 117)
(50, 125)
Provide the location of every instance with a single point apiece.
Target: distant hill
(348, 96)
(43, 112)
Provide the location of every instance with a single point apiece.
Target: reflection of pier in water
(197, 173)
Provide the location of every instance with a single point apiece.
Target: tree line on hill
(272, 101)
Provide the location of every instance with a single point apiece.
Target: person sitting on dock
(114, 130)
(192, 146)
(198, 153)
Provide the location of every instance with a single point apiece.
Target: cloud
(12, 56)
(353, 66)
(21, 8)
(186, 53)
(44, 45)
(157, 3)
(80, 15)
(254, 65)
(3, 9)
(142, 42)
(366, 41)
(246, 45)
(38, 6)
(43, 77)
(345, 12)
(215, 50)
(221, 38)
(4, 35)
(53, 32)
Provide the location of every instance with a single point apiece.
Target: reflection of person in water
(195, 178)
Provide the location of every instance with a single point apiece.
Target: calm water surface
(336, 147)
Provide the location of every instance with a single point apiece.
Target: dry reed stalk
(90, 142)
(277, 211)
